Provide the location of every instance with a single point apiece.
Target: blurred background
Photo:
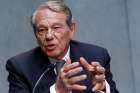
(113, 24)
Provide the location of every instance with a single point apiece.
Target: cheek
(63, 40)
(40, 40)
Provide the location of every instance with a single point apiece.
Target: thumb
(97, 86)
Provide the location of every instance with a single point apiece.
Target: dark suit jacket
(26, 68)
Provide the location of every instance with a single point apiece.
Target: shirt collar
(67, 55)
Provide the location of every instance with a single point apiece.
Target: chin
(53, 54)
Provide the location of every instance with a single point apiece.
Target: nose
(49, 35)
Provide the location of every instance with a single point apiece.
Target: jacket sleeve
(108, 73)
(17, 82)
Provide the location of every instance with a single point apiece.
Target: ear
(72, 29)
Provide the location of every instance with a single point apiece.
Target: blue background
(113, 24)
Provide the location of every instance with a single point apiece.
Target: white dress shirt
(66, 57)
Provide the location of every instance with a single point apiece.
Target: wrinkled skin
(53, 36)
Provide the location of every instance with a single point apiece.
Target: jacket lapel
(48, 78)
(75, 53)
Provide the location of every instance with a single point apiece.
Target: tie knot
(59, 65)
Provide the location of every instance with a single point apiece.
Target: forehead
(49, 16)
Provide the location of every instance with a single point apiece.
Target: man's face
(52, 33)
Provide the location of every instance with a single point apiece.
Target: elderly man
(85, 68)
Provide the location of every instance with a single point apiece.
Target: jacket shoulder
(91, 52)
(22, 59)
(88, 47)
(25, 55)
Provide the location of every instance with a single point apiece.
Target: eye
(56, 27)
(41, 29)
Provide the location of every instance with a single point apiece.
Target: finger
(100, 69)
(74, 71)
(71, 66)
(100, 78)
(75, 79)
(66, 72)
(97, 86)
(94, 63)
(85, 64)
(70, 83)
(68, 62)
(62, 74)
(76, 87)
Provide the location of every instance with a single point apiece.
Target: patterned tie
(58, 64)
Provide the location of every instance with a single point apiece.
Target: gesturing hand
(67, 78)
(97, 73)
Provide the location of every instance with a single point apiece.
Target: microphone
(50, 66)
(53, 63)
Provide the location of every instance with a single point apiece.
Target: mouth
(50, 47)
